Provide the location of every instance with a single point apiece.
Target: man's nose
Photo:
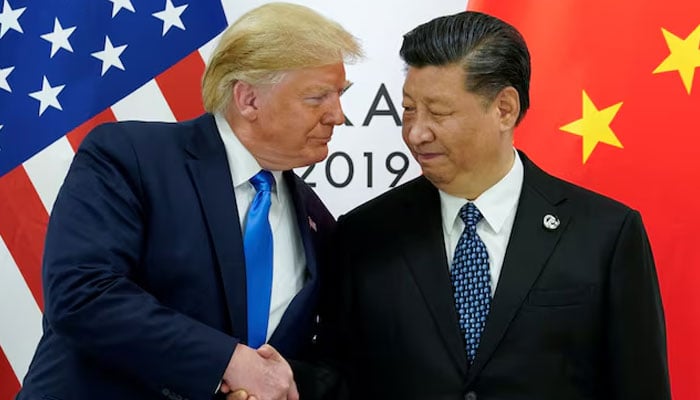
(334, 115)
(416, 132)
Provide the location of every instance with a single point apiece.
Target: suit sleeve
(636, 336)
(92, 255)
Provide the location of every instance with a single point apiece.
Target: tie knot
(470, 215)
(263, 181)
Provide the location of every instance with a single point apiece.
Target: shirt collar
(494, 204)
(242, 164)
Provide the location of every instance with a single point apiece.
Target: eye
(316, 98)
(408, 108)
(441, 113)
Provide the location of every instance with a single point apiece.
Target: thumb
(268, 352)
(239, 394)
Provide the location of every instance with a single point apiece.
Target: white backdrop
(365, 159)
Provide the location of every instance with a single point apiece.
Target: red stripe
(23, 227)
(9, 385)
(181, 87)
(78, 134)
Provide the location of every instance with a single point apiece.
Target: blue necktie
(257, 246)
(471, 280)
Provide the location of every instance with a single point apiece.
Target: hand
(263, 374)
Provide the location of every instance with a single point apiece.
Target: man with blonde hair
(185, 259)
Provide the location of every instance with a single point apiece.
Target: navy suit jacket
(576, 314)
(144, 275)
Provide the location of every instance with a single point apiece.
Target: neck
(470, 186)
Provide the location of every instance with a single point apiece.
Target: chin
(319, 154)
(435, 177)
(309, 158)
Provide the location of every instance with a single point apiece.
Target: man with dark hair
(487, 278)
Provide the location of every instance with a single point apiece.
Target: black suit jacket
(144, 271)
(576, 313)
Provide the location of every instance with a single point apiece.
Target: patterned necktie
(471, 280)
(257, 246)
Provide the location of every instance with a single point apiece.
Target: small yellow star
(684, 57)
(594, 126)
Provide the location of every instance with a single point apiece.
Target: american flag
(66, 66)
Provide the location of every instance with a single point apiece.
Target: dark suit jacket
(144, 274)
(576, 313)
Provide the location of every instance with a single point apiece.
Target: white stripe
(231, 12)
(20, 316)
(206, 51)
(48, 168)
(232, 8)
(145, 104)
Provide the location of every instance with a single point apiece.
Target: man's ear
(508, 106)
(245, 97)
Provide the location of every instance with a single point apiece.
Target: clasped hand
(261, 374)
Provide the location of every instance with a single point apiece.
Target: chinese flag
(616, 108)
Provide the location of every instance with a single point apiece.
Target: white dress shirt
(289, 260)
(498, 205)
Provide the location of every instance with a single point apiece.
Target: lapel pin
(550, 222)
(312, 225)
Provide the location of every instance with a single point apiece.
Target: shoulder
(593, 218)
(140, 135)
(126, 151)
(391, 204)
(569, 195)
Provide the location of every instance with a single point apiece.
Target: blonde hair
(269, 40)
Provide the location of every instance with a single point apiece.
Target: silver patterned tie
(471, 280)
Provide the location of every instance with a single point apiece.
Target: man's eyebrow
(326, 88)
(429, 100)
(346, 87)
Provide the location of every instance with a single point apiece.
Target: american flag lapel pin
(312, 225)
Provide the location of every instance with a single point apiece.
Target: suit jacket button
(314, 339)
(470, 396)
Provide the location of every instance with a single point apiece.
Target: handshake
(261, 374)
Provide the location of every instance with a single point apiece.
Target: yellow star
(594, 126)
(684, 57)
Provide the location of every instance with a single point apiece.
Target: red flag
(615, 96)
(10, 385)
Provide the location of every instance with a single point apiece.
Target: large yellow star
(594, 126)
(684, 57)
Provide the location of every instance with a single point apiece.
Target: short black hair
(492, 53)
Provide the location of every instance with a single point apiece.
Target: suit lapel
(424, 250)
(288, 335)
(211, 177)
(304, 221)
(528, 249)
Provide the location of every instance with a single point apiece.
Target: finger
(239, 394)
(267, 351)
(293, 393)
(225, 388)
